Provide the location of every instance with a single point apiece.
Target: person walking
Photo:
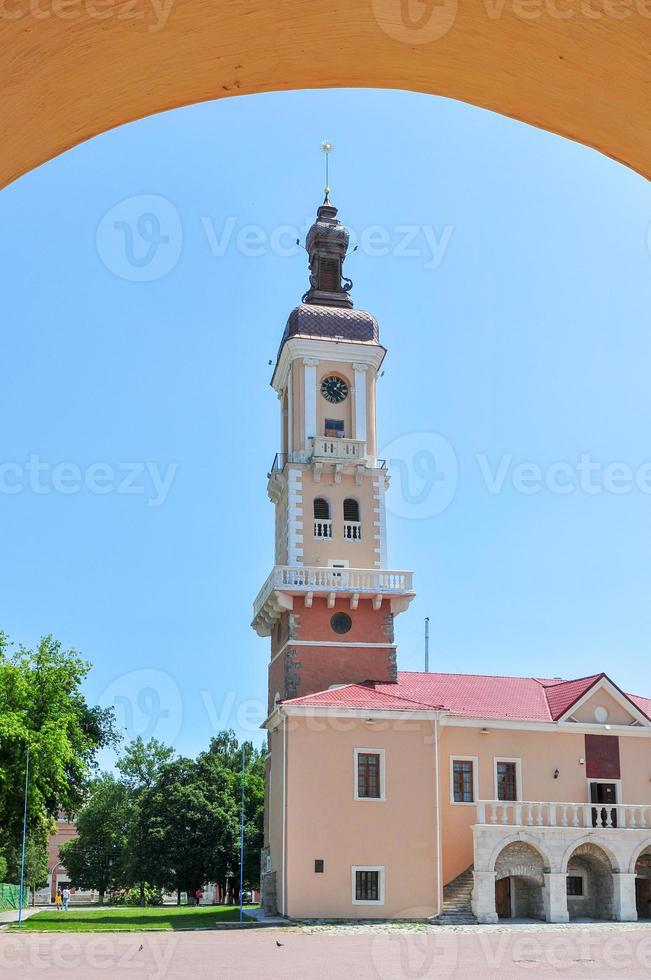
(66, 898)
(58, 900)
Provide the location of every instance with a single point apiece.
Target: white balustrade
(353, 530)
(322, 529)
(332, 447)
(601, 816)
(297, 579)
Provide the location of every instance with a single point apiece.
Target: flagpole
(22, 856)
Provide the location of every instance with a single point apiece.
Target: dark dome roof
(331, 323)
(327, 231)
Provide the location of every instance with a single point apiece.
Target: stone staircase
(456, 909)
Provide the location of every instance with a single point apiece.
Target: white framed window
(507, 778)
(368, 884)
(369, 774)
(464, 779)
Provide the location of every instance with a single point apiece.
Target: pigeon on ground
(140, 947)
(279, 944)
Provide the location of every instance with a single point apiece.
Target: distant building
(57, 874)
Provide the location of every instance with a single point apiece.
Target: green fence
(9, 896)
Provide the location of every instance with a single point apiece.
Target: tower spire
(327, 148)
(327, 245)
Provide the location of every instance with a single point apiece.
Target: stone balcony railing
(326, 449)
(334, 448)
(604, 816)
(287, 581)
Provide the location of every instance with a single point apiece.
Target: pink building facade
(394, 794)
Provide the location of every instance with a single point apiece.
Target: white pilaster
(295, 517)
(290, 415)
(310, 364)
(483, 896)
(624, 905)
(360, 400)
(379, 523)
(555, 897)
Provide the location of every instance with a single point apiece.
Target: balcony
(352, 530)
(340, 450)
(542, 848)
(586, 815)
(285, 583)
(323, 529)
(324, 449)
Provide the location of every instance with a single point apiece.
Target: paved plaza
(345, 953)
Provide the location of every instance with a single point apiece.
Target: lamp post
(22, 856)
(242, 842)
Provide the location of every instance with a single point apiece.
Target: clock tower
(329, 602)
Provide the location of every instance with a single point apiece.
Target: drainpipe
(437, 811)
(284, 911)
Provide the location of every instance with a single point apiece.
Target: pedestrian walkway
(11, 915)
(268, 920)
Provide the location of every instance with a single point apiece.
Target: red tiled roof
(563, 694)
(644, 704)
(468, 695)
(360, 696)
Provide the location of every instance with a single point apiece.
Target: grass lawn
(160, 919)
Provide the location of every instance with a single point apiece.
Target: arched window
(322, 522)
(352, 526)
(351, 509)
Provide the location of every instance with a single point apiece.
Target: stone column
(483, 896)
(555, 897)
(624, 905)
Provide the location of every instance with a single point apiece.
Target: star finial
(327, 148)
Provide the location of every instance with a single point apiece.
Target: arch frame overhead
(521, 837)
(615, 862)
(76, 68)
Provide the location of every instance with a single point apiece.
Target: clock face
(334, 389)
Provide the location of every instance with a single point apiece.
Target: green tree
(225, 747)
(140, 767)
(95, 858)
(190, 819)
(36, 857)
(42, 708)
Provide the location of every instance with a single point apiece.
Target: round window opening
(341, 622)
(601, 713)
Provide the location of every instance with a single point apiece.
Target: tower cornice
(363, 356)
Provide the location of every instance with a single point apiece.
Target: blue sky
(149, 274)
